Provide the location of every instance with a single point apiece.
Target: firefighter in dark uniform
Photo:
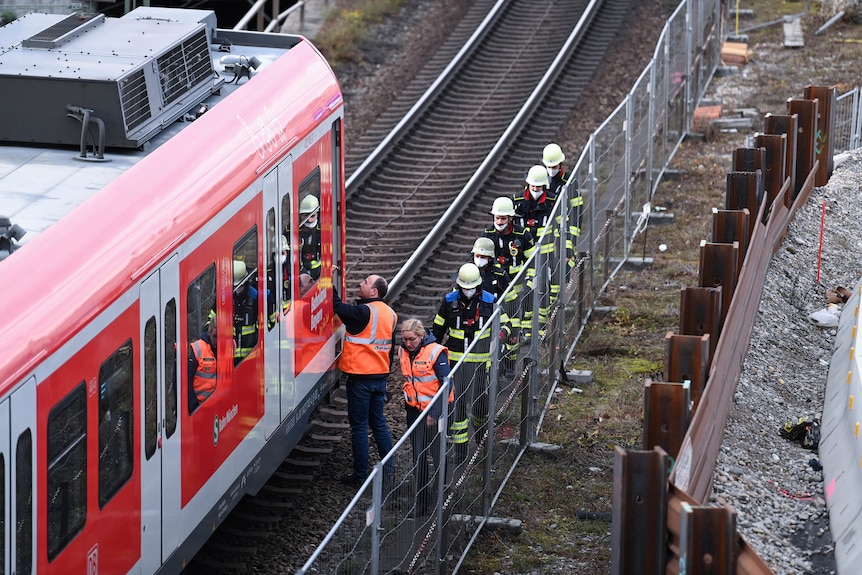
(553, 158)
(462, 315)
(245, 326)
(513, 246)
(533, 209)
(309, 237)
(495, 279)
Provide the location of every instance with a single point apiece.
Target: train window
(171, 367)
(245, 296)
(201, 325)
(276, 249)
(287, 294)
(151, 390)
(67, 469)
(24, 502)
(310, 259)
(116, 422)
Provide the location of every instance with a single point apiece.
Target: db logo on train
(93, 561)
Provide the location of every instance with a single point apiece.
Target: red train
(191, 150)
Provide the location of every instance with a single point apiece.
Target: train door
(160, 450)
(277, 238)
(288, 223)
(19, 417)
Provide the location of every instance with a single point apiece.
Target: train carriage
(157, 164)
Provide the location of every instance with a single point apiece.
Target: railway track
(395, 203)
(395, 198)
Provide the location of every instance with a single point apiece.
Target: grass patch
(346, 27)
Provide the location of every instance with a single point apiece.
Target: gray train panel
(68, 78)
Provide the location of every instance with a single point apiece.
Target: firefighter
(495, 279)
(309, 236)
(245, 326)
(553, 158)
(461, 316)
(513, 246)
(271, 280)
(533, 209)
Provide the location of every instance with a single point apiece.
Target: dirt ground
(566, 515)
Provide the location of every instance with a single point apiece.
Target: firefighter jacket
(309, 254)
(495, 279)
(424, 370)
(245, 326)
(367, 346)
(202, 368)
(512, 247)
(534, 214)
(463, 320)
(576, 201)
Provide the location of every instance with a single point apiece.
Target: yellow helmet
(484, 247)
(553, 155)
(503, 206)
(239, 272)
(469, 276)
(538, 176)
(309, 205)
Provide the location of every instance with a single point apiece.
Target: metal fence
(386, 528)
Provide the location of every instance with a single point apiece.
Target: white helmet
(239, 272)
(553, 155)
(284, 246)
(538, 176)
(503, 206)
(469, 276)
(484, 247)
(309, 205)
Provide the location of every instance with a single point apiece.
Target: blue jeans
(365, 399)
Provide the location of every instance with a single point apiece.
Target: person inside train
(202, 364)
(284, 255)
(309, 236)
(245, 327)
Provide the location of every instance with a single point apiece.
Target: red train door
(159, 400)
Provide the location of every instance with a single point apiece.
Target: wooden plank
(793, 37)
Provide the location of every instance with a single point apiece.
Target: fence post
(687, 359)
(666, 415)
(718, 265)
(826, 97)
(807, 112)
(700, 313)
(730, 226)
(774, 146)
(787, 125)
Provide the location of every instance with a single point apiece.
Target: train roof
(146, 76)
(94, 228)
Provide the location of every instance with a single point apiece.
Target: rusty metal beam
(807, 111)
(744, 191)
(748, 159)
(730, 226)
(687, 359)
(787, 125)
(827, 98)
(639, 517)
(666, 415)
(774, 147)
(718, 267)
(707, 540)
(700, 313)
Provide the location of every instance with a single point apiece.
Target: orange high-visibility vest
(367, 352)
(204, 382)
(421, 383)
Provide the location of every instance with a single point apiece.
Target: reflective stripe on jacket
(204, 382)
(368, 352)
(421, 383)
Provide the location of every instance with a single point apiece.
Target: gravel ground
(775, 484)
